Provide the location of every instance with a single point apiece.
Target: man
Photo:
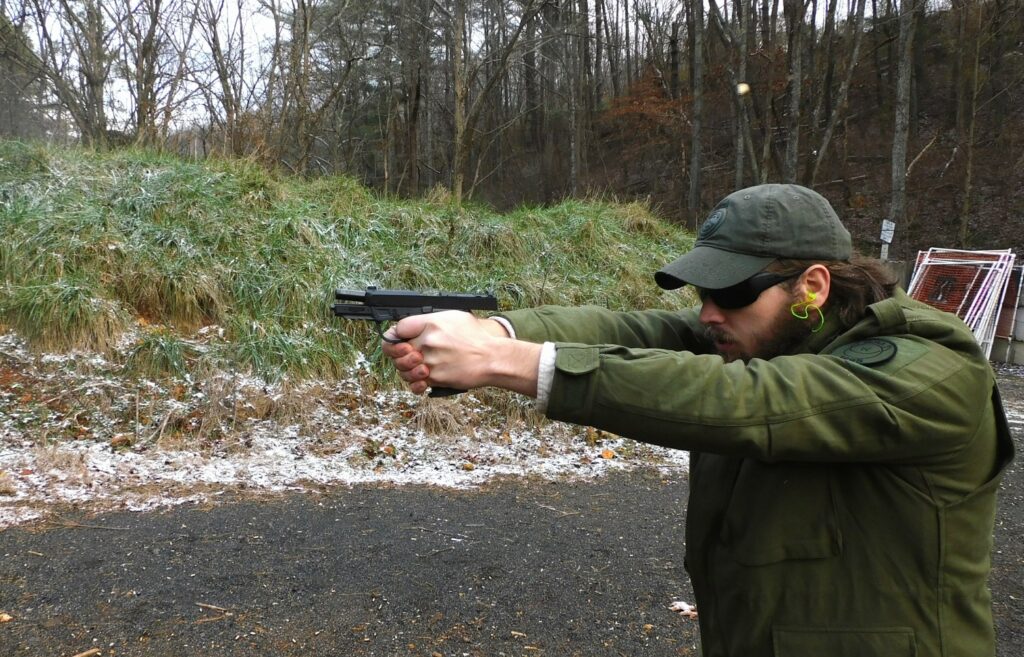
(846, 440)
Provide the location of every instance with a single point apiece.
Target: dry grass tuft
(70, 463)
(438, 416)
(7, 486)
(510, 407)
(637, 218)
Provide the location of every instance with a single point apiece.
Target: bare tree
(155, 59)
(769, 19)
(898, 204)
(696, 14)
(854, 35)
(142, 39)
(223, 33)
(613, 47)
(796, 11)
(414, 45)
(177, 92)
(736, 41)
(970, 121)
(467, 75)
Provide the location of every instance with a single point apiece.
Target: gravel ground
(525, 566)
(515, 568)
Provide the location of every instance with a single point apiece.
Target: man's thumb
(408, 328)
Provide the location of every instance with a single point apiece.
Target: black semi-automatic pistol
(379, 306)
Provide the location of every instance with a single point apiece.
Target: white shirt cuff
(545, 375)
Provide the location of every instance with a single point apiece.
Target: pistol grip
(441, 391)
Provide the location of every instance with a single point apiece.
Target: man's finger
(391, 334)
(419, 373)
(407, 361)
(408, 328)
(396, 350)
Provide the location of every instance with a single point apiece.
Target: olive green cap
(751, 228)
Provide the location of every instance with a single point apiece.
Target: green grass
(133, 254)
(159, 352)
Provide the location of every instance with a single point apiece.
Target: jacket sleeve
(662, 329)
(923, 405)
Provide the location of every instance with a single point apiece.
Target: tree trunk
(839, 105)
(673, 61)
(598, 53)
(972, 116)
(629, 47)
(795, 22)
(614, 48)
(467, 114)
(693, 205)
(908, 15)
(461, 81)
(531, 93)
(737, 43)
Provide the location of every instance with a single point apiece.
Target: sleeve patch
(874, 351)
(577, 359)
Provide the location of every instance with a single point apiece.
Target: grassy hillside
(177, 269)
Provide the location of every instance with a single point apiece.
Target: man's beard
(782, 336)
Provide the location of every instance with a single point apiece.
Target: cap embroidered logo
(711, 225)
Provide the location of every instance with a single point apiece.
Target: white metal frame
(994, 268)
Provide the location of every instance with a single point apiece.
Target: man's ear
(815, 285)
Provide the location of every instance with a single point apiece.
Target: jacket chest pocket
(781, 511)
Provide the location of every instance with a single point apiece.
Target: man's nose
(710, 313)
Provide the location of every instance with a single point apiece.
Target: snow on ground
(1011, 384)
(53, 456)
(94, 475)
(73, 435)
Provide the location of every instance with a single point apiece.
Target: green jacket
(842, 499)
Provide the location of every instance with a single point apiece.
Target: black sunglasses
(745, 293)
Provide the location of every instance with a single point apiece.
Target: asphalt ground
(516, 568)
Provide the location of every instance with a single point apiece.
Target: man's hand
(458, 350)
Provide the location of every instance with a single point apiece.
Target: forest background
(908, 110)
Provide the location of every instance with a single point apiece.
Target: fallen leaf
(607, 454)
(6, 618)
(684, 609)
(121, 440)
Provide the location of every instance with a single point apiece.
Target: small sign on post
(888, 230)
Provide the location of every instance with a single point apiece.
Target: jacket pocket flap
(844, 642)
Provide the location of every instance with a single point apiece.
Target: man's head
(762, 250)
